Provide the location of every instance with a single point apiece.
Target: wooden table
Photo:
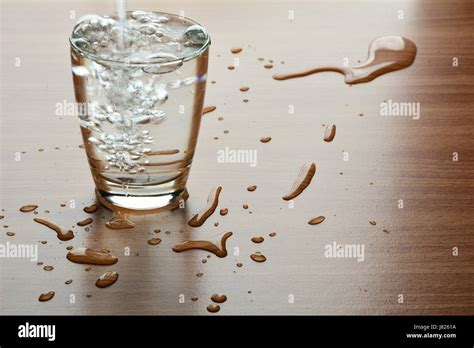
(390, 159)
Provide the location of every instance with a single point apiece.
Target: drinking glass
(140, 120)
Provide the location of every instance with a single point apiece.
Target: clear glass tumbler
(139, 116)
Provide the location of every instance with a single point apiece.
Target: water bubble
(94, 20)
(106, 23)
(174, 84)
(190, 81)
(81, 43)
(137, 74)
(143, 119)
(175, 45)
(144, 19)
(160, 34)
(196, 34)
(137, 14)
(161, 95)
(147, 29)
(163, 19)
(94, 140)
(81, 29)
(81, 71)
(163, 63)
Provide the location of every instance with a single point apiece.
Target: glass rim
(152, 61)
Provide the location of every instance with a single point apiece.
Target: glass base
(147, 204)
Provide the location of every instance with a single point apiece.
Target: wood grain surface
(389, 159)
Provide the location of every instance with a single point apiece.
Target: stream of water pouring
(121, 8)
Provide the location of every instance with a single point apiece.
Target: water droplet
(107, 279)
(302, 181)
(216, 246)
(317, 220)
(46, 296)
(154, 241)
(91, 257)
(28, 208)
(386, 54)
(208, 109)
(258, 257)
(213, 308)
(119, 221)
(257, 239)
(59, 232)
(251, 188)
(219, 298)
(330, 133)
(91, 209)
(212, 202)
(85, 222)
